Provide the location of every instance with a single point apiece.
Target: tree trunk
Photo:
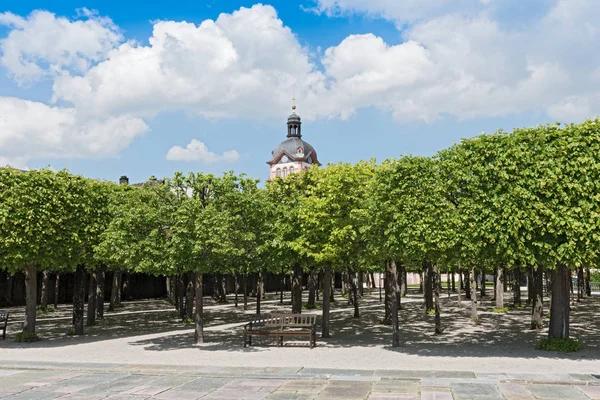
(500, 287)
(460, 286)
(168, 288)
(332, 291)
(125, 287)
(319, 281)
(399, 285)
(237, 289)
(530, 288)
(467, 282)
(56, 286)
(354, 294)
(361, 284)
(428, 286)
(474, 316)
(44, 296)
(91, 311)
(421, 282)
(517, 286)
(588, 278)
(223, 289)
(373, 286)
(189, 296)
(176, 291)
(388, 294)
(537, 298)
(114, 291)
(326, 297)
(245, 285)
(436, 289)
(580, 284)
(282, 288)
(392, 278)
(404, 281)
(311, 290)
(198, 314)
(483, 284)
(259, 291)
(559, 311)
(297, 290)
(78, 299)
(181, 293)
(30, 297)
(119, 288)
(100, 278)
(453, 283)
(448, 287)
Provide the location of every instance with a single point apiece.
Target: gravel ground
(148, 332)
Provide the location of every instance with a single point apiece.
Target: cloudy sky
(106, 88)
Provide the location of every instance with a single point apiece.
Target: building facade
(293, 154)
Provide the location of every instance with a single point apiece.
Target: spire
(294, 122)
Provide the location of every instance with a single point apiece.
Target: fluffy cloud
(470, 63)
(43, 43)
(197, 151)
(32, 130)
(246, 64)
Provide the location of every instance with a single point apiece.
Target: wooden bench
(3, 323)
(280, 325)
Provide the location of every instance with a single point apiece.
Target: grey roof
(291, 144)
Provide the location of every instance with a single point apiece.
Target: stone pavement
(44, 380)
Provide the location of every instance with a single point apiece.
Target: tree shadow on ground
(495, 335)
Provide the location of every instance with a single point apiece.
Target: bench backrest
(293, 320)
(4, 316)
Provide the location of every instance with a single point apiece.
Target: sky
(110, 88)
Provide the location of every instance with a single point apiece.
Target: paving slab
(556, 392)
(427, 395)
(472, 391)
(593, 392)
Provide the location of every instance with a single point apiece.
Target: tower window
(299, 150)
(291, 170)
(285, 171)
(278, 173)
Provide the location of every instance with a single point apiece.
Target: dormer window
(299, 151)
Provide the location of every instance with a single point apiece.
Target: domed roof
(291, 146)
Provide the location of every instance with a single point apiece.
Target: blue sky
(374, 79)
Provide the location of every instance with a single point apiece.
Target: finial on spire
(294, 104)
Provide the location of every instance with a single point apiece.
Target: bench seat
(280, 325)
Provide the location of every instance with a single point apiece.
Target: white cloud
(42, 43)
(197, 151)
(33, 130)
(242, 65)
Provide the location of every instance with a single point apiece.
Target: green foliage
(564, 345)
(26, 337)
(430, 313)
(500, 310)
(70, 332)
(189, 321)
(45, 310)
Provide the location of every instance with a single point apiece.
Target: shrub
(44, 310)
(500, 310)
(71, 332)
(430, 312)
(189, 321)
(564, 345)
(26, 337)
